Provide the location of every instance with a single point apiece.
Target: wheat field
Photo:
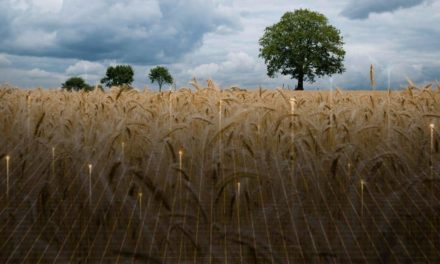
(205, 175)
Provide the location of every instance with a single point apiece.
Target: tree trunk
(300, 85)
(160, 85)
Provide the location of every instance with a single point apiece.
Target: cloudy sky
(43, 42)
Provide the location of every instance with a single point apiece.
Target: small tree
(118, 75)
(302, 45)
(160, 75)
(76, 84)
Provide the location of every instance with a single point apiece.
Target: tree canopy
(76, 84)
(303, 45)
(118, 75)
(160, 75)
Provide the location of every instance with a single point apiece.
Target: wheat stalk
(372, 77)
(238, 145)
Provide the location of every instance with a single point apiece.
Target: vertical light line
(331, 113)
(292, 111)
(238, 220)
(7, 177)
(29, 101)
(90, 183)
(220, 128)
(180, 176)
(185, 205)
(180, 162)
(258, 128)
(431, 159)
(389, 79)
(224, 193)
(362, 199)
(175, 197)
(431, 165)
(140, 205)
(123, 150)
(331, 89)
(220, 125)
(389, 105)
(53, 162)
(220, 159)
(171, 109)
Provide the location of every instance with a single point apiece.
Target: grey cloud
(361, 9)
(413, 37)
(133, 31)
(86, 68)
(432, 72)
(405, 42)
(4, 61)
(31, 78)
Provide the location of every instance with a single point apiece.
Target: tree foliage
(160, 75)
(118, 75)
(302, 45)
(76, 84)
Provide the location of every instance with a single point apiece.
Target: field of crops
(204, 175)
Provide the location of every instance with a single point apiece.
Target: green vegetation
(160, 75)
(76, 84)
(118, 75)
(302, 45)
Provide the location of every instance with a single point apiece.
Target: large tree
(304, 46)
(118, 75)
(76, 84)
(160, 75)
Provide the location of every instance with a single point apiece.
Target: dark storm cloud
(5, 19)
(415, 38)
(131, 31)
(43, 42)
(361, 9)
